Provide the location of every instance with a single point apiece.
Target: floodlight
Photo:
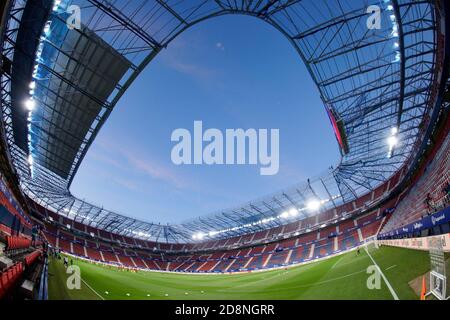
(56, 5)
(30, 104)
(47, 27)
(392, 141)
(198, 236)
(285, 214)
(313, 205)
(293, 212)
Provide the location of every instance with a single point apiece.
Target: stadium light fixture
(293, 212)
(284, 215)
(35, 71)
(30, 104)
(198, 236)
(313, 205)
(30, 160)
(392, 141)
(56, 5)
(32, 85)
(47, 27)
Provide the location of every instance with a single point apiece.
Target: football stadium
(374, 226)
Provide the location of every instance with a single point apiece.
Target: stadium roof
(380, 87)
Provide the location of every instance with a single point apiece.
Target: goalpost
(438, 277)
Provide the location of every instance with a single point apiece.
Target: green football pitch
(341, 277)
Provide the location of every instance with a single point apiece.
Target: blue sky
(229, 72)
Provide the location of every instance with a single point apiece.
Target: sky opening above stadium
(224, 73)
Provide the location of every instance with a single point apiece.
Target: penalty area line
(383, 276)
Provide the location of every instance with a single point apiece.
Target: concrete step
(27, 288)
(5, 262)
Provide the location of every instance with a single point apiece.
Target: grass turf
(340, 277)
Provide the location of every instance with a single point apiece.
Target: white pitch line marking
(383, 276)
(335, 264)
(92, 289)
(390, 267)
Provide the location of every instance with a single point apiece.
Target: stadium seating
(345, 235)
(330, 218)
(332, 231)
(413, 205)
(323, 248)
(127, 261)
(14, 243)
(299, 254)
(370, 229)
(348, 241)
(32, 257)
(93, 254)
(223, 265)
(278, 258)
(9, 278)
(109, 257)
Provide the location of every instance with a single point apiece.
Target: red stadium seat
(14, 243)
(9, 278)
(32, 257)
